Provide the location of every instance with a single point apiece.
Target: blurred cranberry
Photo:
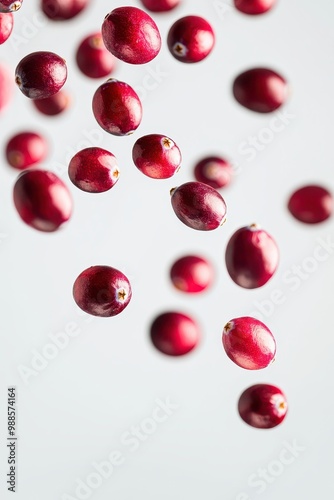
(53, 105)
(62, 10)
(92, 57)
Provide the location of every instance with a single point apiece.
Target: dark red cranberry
(160, 5)
(6, 26)
(190, 39)
(156, 156)
(249, 343)
(62, 10)
(42, 200)
(254, 7)
(251, 257)
(260, 89)
(117, 107)
(6, 86)
(26, 149)
(40, 74)
(198, 206)
(174, 333)
(192, 274)
(311, 204)
(131, 35)
(93, 59)
(102, 291)
(263, 406)
(93, 170)
(214, 171)
(53, 105)
(10, 5)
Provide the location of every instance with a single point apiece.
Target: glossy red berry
(192, 274)
(6, 26)
(102, 291)
(263, 406)
(198, 206)
(214, 171)
(260, 89)
(249, 343)
(6, 86)
(53, 105)
(26, 149)
(174, 333)
(117, 107)
(251, 257)
(131, 35)
(156, 156)
(311, 204)
(254, 7)
(62, 10)
(190, 39)
(93, 59)
(10, 5)
(160, 5)
(42, 200)
(93, 170)
(40, 74)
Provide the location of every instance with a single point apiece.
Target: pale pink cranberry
(198, 206)
(6, 86)
(260, 89)
(117, 108)
(192, 274)
(26, 149)
(41, 74)
(42, 200)
(214, 171)
(62, 10)
(254, 7)
(102, 291)
(93, 170)
(311, 204)
(53, 105)
(131, 35)
(263, 406)
(6, 26)
(93, 59)
(10, 5)
(160, 5)
(251, 256)
(174, 333)
(249, 343)
(190, 39)
(156, 156)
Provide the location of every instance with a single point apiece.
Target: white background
(74, 411)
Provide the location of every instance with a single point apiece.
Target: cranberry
(192, 274)
(254, 7)
(174, 333)
(263, 406)
(198, 206)
(26, 149)
(190, 39)
(93, 59)
(53, 105)
(10, 5)
(251, 257)
(40, 74)
(214, 171)
(102, 291)
(117, 107)
(311, 204)
(156, 156)
(62, 10)
(131, 35)
(160, 5)
(6, 86)
(93, 170)
(249, 343)
(42, 200)
(260, 89)
(6, 26)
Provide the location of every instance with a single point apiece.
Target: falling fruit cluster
(43, 200)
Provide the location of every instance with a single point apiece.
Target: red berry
(131, 35)
(263, 406)
(10, 5)
(62, 10)
(160, 5)
(26, 149)
(156, 156)
(6, 86)
(93, 170)
(53, 105)
(198, 206)
(251, 257)
(117, 107)
(214, 171)
(254, 7)
(190, 39)
(42, 200)
(249, 343)
(260, 89)
(192, 274)
(102, 291)
(311, 204)
(93, 59)
(6, 26)
(174, 333)
(40, 74)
